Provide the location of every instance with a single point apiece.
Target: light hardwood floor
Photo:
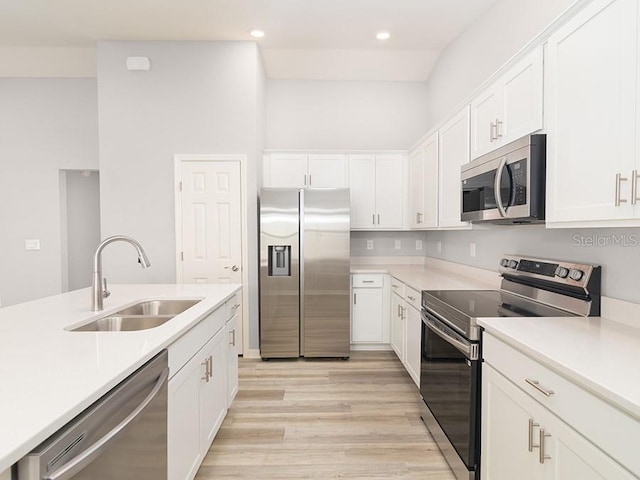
(325, 419)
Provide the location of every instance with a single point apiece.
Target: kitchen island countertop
(49, 375)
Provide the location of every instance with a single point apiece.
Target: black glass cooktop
(462, 307)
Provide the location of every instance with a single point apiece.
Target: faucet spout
(98, 289)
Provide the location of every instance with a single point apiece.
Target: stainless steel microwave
(506, 185)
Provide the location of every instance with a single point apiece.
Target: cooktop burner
(530, 288)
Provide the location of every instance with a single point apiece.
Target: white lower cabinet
(203, 381)
(406, 327)
(369, 323)
(563, 434)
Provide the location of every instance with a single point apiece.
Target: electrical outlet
(472, 249)
(418, 244)
(33, 244)
(369, 244)
(398, 244)
(439, 246)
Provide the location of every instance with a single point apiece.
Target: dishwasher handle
(69, 469)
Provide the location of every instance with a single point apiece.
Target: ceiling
(311, 39)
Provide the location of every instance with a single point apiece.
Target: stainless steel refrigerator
(304, 272)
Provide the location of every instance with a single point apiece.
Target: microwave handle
(496, 187)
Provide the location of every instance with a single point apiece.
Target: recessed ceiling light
(256, 33)
(383, 36)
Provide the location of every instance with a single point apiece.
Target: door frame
(211, 158)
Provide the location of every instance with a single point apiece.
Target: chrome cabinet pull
(354, 299)
(530, 439)
(411, 298)
(378, 219)
(536, 384)
(210, 366)
(394, 286)
(206, 370)
(634, 187)
(373, 218)
(491, 137)
(619, 180)
(367, 281)
(232, 334)
(498, 129)
(542, 456)
(403, 312)
(305, 180)
(310, 180)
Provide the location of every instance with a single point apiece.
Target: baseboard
(371, 347)
(252, 354)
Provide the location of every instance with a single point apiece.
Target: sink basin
(158, 307)
(124, 323)
(141, 316)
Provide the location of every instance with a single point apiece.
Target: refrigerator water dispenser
(279, 260)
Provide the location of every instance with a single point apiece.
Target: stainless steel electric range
(451, 347)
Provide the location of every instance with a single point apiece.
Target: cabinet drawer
(186, 346)
(397, 286)
(599, 421)
(367, 280)
(233, 304)
(412, 296)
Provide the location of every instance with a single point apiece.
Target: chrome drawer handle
(542, 456)
(530, 442)
(536, 384)
(411, 298)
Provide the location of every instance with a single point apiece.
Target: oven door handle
(496, 187)
(469, 350)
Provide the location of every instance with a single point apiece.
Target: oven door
(450, 387)
(497, 189)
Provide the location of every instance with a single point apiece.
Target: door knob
(234, 268)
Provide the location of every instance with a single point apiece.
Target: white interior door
(211, 222)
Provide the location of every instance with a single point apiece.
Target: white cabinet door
(423, 184)
(327, 170)
(286, 170)
(213, 392)
(367, 315)
(571, 456)
(506, 432)
(362, 181)
(183, 421)
(416, 187)
(233, 339)
(522, 88)
(454, 152)
(413, 323)
(590, 104)
(486, 109)
(389, 191)
(397, 326)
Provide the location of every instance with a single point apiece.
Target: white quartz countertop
(598, 354)
(48, 375)
(423, 277)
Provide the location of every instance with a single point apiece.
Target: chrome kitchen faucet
(99, 286)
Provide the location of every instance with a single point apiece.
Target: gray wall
(83, 225)
(345, 115)
(616, 249)
(45, 125)
(483, 48)
(199, 97)
(384, 244)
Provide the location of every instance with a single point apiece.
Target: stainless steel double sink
(140, 316)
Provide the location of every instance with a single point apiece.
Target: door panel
(211, 222)
(328, 171)
(362, 181)
(389, 191)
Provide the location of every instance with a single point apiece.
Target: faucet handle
(105, 292)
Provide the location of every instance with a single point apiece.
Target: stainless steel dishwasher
(121, 436)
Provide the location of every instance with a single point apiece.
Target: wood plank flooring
(325, 419)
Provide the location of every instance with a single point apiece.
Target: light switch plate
(418, 244)
(398, 244)
(32, 244)
(472, 249)
(439, 246)
(369, 244)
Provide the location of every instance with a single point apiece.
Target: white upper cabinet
(423, 184)
(453, 139)
(510, 108)
(301, 170)
(591, 108)
(377, 191)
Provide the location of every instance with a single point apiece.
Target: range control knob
(575, 274)
(512, 264)
(562, 272)
(504, 262)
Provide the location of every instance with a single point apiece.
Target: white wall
(45, 125)
(199, 97)
(83, 225)
(345, 115)
(483, 48)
